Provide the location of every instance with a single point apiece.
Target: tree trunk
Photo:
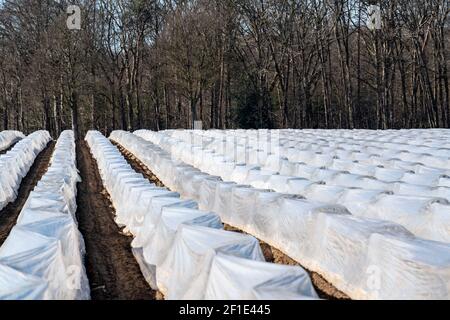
(74, 110)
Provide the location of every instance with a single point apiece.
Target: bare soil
(113, 272)
(9, 215)
(324, 289)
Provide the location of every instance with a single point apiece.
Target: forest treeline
(161, 64)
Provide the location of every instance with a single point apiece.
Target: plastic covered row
(365, 258)
(411, 206)
(42, 258)
(330, 144)
(9, 137)
(15, 164)
(313, 150)
(414, 141)
(268, 152)
(391, 175)
(179, 248)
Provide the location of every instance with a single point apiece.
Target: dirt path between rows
(113, 272)
(9, 215)
(138, 166)
(324, 289)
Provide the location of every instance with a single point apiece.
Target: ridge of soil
(113, 272)
(9, 215)
(324, 289)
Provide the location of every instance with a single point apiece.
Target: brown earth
(113, 272)
(9, 215)
(324, 289)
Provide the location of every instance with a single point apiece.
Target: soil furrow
(138, 166)
(324, 289)
(9, 215)
(113, 272)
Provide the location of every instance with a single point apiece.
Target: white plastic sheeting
(413, 141)
(191, 255)
(7, 138)
(44, 251)
(162, 240)
(308, 162)
(330, 149)
(428, 219)
(15, 164)
(365, 258)
(263, 281)
(175, 243)
(16, 285)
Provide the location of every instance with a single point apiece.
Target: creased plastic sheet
(45, 249)
(263, 281)
(17, 285)
(327, 239)
(8, 138)
(15, 164)
(191, 255)
(161, 241)
(175, 242)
